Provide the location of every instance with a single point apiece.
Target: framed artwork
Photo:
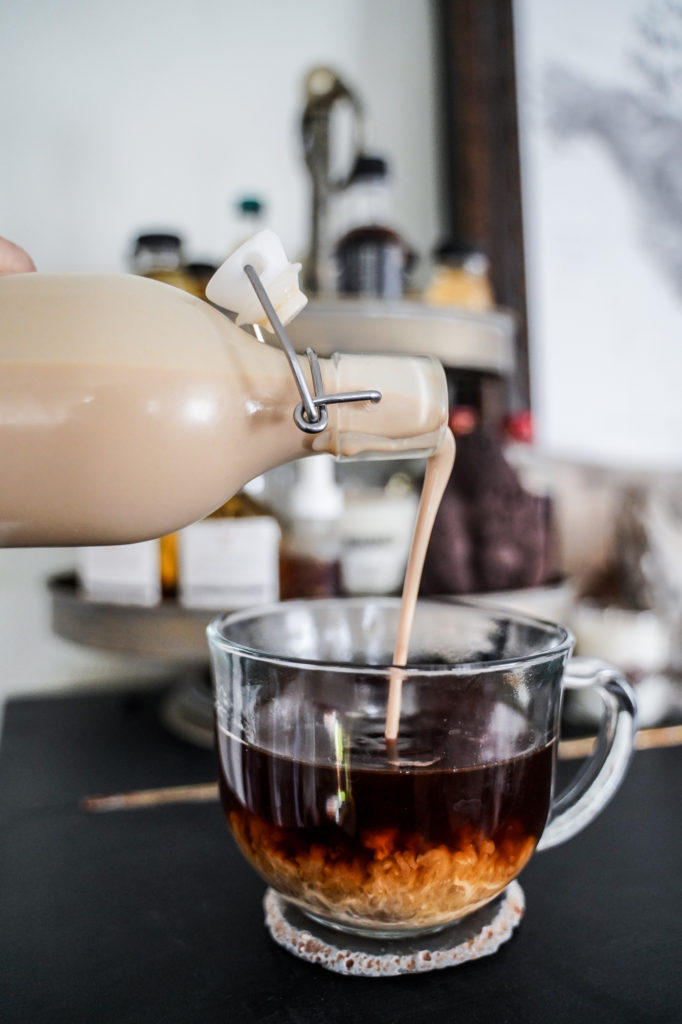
(566, 121)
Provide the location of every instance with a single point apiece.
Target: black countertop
(151, 914)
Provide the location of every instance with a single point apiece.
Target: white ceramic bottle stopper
(231, 289)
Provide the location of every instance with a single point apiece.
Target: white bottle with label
(121, 573)
(130, 409)
(376, 531)
(231, 558)
(310, 558)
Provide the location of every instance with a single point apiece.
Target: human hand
(13, 259)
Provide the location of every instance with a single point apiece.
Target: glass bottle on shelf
(371, 257)
(310, 555)
(198, 274)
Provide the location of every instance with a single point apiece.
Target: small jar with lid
(460, 277)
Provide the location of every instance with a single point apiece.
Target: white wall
(161, 113)
(116, 117)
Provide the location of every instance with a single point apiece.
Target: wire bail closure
(310, 415)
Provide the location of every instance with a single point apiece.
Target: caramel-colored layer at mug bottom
(397, 886)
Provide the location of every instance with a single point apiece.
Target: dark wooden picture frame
(480, 151)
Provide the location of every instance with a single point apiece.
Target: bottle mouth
(409, 421)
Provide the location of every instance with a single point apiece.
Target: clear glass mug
(403, 838)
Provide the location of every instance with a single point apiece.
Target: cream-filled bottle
(129, 409)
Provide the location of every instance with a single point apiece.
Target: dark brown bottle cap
(157, 240)
(368, 167)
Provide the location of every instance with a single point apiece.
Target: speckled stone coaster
(480, 934)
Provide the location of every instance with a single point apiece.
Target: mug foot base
(479, 934)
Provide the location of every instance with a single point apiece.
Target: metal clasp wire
(310, 415)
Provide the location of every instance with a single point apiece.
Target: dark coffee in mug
(357, 832)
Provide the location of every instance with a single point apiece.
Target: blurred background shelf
(166, 632)
(460, 339)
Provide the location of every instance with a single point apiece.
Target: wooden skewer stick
(645, 739)
(193, 794)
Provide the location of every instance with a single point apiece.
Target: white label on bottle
(376, 531)
(121, 573)
(373, 566)
(229, 563)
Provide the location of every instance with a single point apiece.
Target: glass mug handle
(602, 773)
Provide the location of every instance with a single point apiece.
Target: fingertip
(14, 259)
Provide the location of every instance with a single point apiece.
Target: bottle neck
(408, 421)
